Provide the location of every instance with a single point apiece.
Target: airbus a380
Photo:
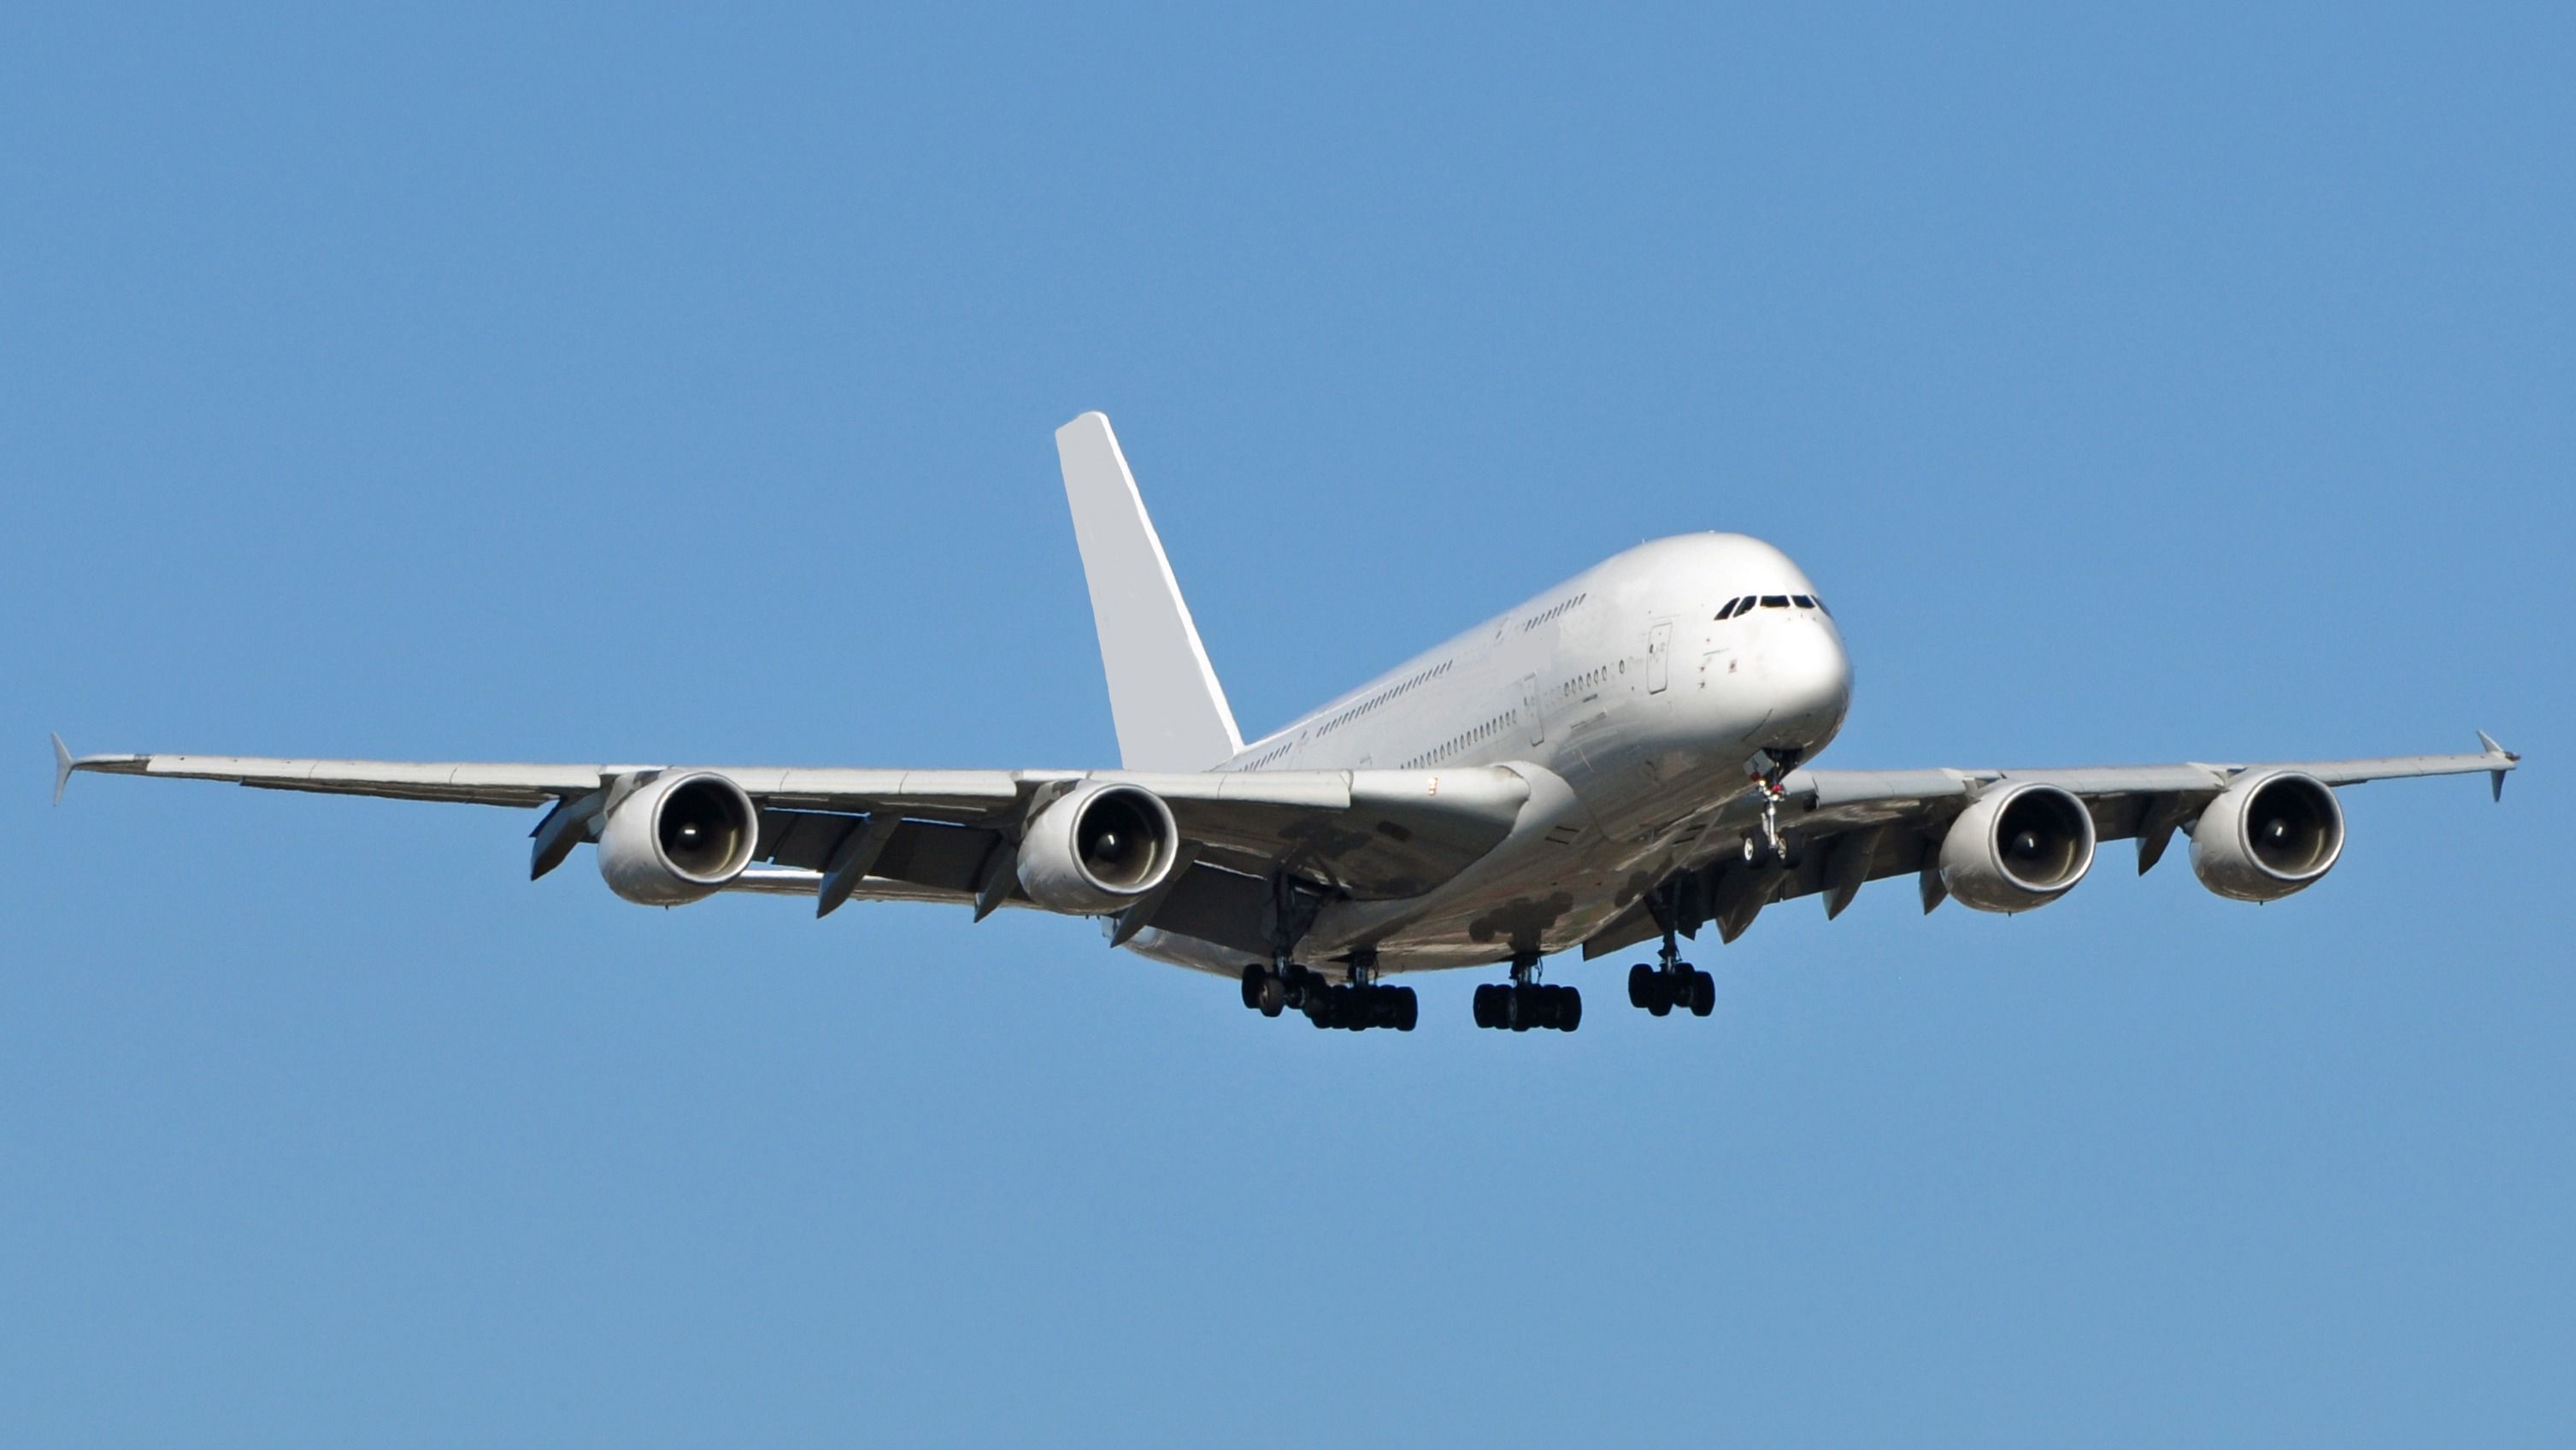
(1621, 760)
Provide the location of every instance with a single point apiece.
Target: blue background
(601, 385)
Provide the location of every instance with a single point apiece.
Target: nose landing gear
(1770, 774)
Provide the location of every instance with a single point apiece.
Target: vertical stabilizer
(1171, 713)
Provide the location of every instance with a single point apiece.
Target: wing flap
(932, 855)
(1375, 834)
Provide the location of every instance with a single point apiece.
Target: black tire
(1253, 976)
(1703, 994)
(1640, 982)
(1659, 998)
(1484, 1004)
(1274, 995)
(1569, 1010)
(1520, 1007)
(1408, 1009)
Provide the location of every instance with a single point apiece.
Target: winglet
(62, 768)
(2495, 777)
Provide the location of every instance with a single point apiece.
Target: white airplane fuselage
(1633, 709)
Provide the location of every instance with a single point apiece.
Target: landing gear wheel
(1273, 997)
(1641, 985)
(1703, 994)
(1519, 1007)
(1408, 1008)
(1253, 977)
(1659, 994)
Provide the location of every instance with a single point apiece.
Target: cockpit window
(1803, 601)
(1775, 601)
(1726, 609)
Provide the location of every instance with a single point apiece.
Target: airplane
(1622, 759)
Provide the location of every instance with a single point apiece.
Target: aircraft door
(1529, 710)
(1659, 657)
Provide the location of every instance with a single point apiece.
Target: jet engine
(2017, 848)
(1097, 848)
(2267, 837)
(678, 839)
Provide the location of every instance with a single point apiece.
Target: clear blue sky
(603, 384)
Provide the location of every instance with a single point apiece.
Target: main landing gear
(1521, 1004)
(1354, 1007)
(1678, 984)
(1672, 983)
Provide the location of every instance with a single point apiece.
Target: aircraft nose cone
(1809, 678)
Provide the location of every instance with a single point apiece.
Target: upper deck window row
(1381, 697)
(1553, 611)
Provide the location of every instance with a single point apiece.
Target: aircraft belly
(1563, 876)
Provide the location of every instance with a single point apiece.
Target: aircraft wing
(1846, 828)
(948, 835)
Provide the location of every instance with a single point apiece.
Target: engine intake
(1097, 848)
(678, 839)
(2018, 848)
(2264, 838)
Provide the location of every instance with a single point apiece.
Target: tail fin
(1171, 712)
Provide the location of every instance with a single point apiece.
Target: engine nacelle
(2267, 837)
(1097, 848)
(2018, 848)
(678, 839)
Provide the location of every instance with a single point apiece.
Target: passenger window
(1775, 601)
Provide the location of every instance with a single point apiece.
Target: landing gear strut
(1524, 1003)
(1770, 781)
